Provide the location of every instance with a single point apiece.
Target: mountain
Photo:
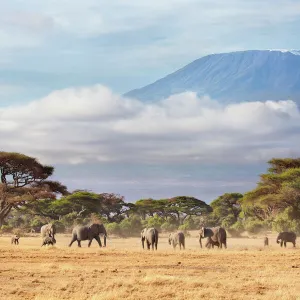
(253, 75)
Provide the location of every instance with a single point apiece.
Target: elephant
(48, 240)
(285, 237)
(216, 234)
(177, 238)
(211, 243)
(15, 239)
(151, 237)
(83, 233)
(48, 230)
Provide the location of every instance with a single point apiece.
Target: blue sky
(48, 45)
(50, 49)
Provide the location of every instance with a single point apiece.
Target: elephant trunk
(278, 238)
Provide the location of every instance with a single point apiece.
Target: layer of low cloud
(92, 125)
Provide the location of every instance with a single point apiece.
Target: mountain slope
(232, 77)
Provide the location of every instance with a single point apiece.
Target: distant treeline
(28, 200)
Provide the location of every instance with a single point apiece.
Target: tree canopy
(24, 179)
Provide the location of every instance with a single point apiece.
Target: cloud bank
(94, 125)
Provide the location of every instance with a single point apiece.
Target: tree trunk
(5, 209)
(1, 221)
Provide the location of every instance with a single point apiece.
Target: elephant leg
(155, 245)
(79, 243)
(73, 240)
(281, 243)
(90, 241)
(220, 242)
(284, 244)
(148, 245)
(294, 244)
(97, 238)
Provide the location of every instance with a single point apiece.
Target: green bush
(285, 222)
(255, 226)
(6, 229)
(155, 222)
(190, 224)
(228, 221)
(168, 226)
(60, 227)
(113, 228)
(131, 226)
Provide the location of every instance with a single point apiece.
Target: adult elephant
(48, 230)
(177, 238)
(150, 235)
(215, 235)
(286, 237)
(83, 233)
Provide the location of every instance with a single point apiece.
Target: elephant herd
(215, 236)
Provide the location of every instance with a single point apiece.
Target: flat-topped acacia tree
(24, 179)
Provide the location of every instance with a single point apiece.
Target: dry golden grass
(124, 271)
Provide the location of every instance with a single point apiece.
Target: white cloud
(92, 124)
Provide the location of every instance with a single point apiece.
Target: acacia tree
(226, 209)
(24, 179)
(277, 190)
(183, 206)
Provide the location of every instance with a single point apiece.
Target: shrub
(6, 229)
(60, 227)
(254, 225)
(284, 222)
(168, 226)
(113, 228)
(228, 221)
(155, 221)
(17, 231)
(131, 226)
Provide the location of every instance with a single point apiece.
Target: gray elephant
(285, 237)
(48, 230)
(177, 238)
(150, 235)
(48, 240)
(215, 234)
(83, 233)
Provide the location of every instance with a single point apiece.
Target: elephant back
(48, 230)
(287, 236)
(80, 232)
(180, 237)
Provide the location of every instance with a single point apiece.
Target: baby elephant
(211, 243)
(177, 238)
(48, 240)
(266, 241)
(15, 239)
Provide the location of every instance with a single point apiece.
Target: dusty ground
(123, 271)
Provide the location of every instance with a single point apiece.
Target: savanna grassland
(124, 271)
